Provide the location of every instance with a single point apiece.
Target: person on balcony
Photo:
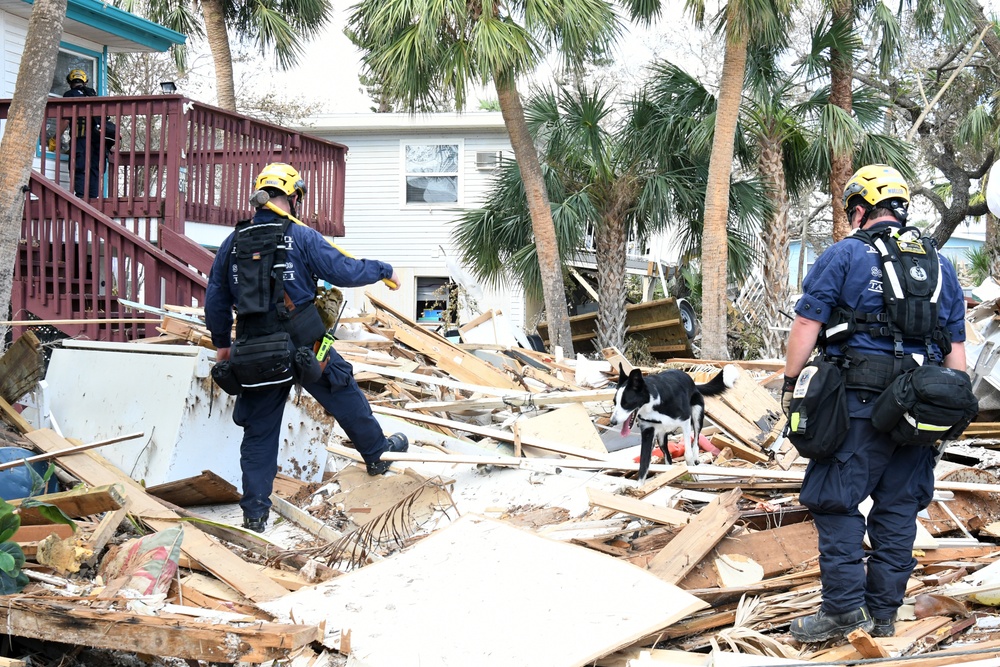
(88, 139)
(268, 270)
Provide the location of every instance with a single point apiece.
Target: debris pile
(513, 532)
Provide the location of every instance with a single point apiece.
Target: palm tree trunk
(993, 245)
(715, 248)
(547, 247)
(218, 42)
(841, 162)
(20, 136)
(610, 249)
(775, 272)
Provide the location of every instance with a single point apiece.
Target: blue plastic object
(16, 482)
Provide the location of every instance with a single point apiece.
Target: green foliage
(979, 264)
(637, 351)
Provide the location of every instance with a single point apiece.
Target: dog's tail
(721, 382)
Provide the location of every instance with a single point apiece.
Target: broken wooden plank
(220, 561)
(75, 503)
(21, 367)
(866, 645)
(639, 508)
(697, 538)
(165, 635)
(204, 489)
(14, 418)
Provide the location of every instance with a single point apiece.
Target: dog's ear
(635, 379)
(621, 373)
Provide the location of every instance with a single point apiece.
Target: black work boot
(822, 626)
(884, 627)
(257, 524)
(397, 443)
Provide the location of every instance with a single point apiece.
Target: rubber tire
(689, 318)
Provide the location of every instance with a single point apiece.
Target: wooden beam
(73, 449)
(173, 635)
(697, 538)
(638, 508)
(14, 418)
(21, 367)
(75, 503)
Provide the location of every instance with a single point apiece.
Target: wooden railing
(75, 264)
(176, 161)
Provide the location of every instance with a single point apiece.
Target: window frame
(459, 144)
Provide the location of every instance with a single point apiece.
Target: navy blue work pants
(900, 480)
(87, 176)
(260, 415)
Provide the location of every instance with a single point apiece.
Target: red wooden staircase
(175, 163)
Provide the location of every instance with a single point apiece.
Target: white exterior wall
(413, 238)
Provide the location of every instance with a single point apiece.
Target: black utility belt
(872, 372)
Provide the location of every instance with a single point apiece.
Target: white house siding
(415, 239)
(14, 33)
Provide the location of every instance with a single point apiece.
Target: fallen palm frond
(390, 528)
(742, 638)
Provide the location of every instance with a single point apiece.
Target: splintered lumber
(777, 551)
(865, 645)
(450, 358)
(94, 469)
(66, 451)
(748, 411)
(21, 367)
(75, 503)
(204, 489)
(697, 538)
(639, 508)
(171, 635)
(470, 556)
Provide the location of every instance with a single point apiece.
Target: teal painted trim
(66, 46)
(102, 77)
(122, 24)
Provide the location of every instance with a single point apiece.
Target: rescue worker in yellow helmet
(89, 154)
(846, 286)
(267, 270)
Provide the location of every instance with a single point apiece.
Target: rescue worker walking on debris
(843, 309)
(268, 269)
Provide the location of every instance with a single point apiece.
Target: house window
(436, 300)
(430, 173)
(66, 61)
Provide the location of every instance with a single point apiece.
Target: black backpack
(926, 404)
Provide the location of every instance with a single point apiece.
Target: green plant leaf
(13, 550)
(10, 584)
(49, 511)
(9, 523)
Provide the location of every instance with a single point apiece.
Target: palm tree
(763, 22)
(281, 25)
(947, 19)
(620, 178)
(20, 135)
(420, 47)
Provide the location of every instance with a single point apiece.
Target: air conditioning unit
(488, 160)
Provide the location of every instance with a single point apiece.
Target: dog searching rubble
(513, 531)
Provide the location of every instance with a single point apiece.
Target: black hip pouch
(263, 362)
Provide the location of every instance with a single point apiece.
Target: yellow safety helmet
(76, 75)
(875, 183)
(283, 177)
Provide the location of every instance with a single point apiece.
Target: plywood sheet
(480, 578)
(570, 423)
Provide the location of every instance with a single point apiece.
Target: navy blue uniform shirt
(849, 274)
(309, 257)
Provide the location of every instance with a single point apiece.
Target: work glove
(786, 394)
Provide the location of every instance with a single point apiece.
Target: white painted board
(482, 592)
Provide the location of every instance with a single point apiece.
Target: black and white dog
(663, 403)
